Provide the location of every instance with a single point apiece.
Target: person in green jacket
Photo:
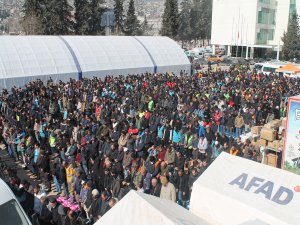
(150, 105)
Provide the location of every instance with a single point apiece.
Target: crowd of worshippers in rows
(97, 139)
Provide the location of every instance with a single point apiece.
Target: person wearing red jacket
(132, 130)
(217, 119)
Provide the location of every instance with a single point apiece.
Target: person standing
(167, 190)
(182, 188)
(202, 146)
(239, 124)
(155, 187)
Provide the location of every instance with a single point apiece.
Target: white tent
(237, 191)
(142, 209)
(26, 58)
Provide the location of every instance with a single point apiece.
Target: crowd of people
(96, 140)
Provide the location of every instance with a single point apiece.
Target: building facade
(247, 27)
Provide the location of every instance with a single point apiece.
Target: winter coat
(239, 122)
(168, 192)
(183, 185)
(170, 157)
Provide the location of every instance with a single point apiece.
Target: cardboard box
(283, 122)
(255, 143)
(276, 123)
(262, 142)
(281, 144)
(269, 126)
(268, 134)
(274, 144)
(256, 130)
(272, 160)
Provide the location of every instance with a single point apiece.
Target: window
(264, 35)
(269, 69)
(267, 16)
(265, 1)
(11, 214)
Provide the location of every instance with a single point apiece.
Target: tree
(184, 29)
(201, 15)
(132, 24)
(94, 17)
(195, 16)
(56, 18)
(119, 15)
(170, 21)
(82, 12)
(291, 39)
(206, 17)
(145, 28)
(31, 21)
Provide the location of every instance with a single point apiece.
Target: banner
(291, 153)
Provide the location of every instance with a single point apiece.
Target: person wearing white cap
(95, 206)
(216, 150)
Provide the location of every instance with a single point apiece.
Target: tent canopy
(27, 58)
(237, 191)
(138, 209)
(290, 68)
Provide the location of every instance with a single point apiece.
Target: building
(27, 58)
(249, 27)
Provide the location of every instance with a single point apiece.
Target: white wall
(282, 18)
(231, 17)
(226, 23)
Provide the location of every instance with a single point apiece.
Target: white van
(268, 68)
(11, 212)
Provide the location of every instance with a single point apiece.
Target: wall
(233, 18)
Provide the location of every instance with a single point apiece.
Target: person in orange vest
(234, 151)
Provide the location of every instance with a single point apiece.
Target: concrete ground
(22, 174)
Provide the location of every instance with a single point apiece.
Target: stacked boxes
(271, 137)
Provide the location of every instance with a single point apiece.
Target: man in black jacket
(43, 165)
(155, 187)
(54, 207)
(96, 206)
(105, 197)
(182, 188)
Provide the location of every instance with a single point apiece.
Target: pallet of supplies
(256, 130)
(274, 144)
(276, 123)
(268, 134)
(262, 142)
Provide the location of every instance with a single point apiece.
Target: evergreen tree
(170, 21)
(195, 18)
(132, 24)
(145, 28)
(184, 29)
(205, 19)
(82, 13)
(119, 15)
(31, 21)
(201, 16)
(291, 39)
(56, 18)
(95, 13)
